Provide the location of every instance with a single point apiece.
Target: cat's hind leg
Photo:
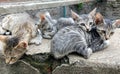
(38, 39)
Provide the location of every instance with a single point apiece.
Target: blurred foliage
(80, 6)
(101, 1)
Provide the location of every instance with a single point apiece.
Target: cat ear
(42, 17)
(47, 14)
(98, 18)
(48, 17)
(3, 38)
(93, 12)
(23, 44)
(74, 15)
(117, 23)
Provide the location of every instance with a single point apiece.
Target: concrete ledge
(110, 55)
(20, 67)
(14, 7)
(106, 61)
(43, 48)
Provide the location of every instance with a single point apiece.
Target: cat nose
(88, 29)
(106, 38)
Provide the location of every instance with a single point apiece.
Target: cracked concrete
(106, 61)
(20, 67)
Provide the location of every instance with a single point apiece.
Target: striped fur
(49, 26)
(74, 39)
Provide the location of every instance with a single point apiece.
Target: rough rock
(106, 61)
(43, 48)
(21, 67)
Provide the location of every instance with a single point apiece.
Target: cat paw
(47, 36)
(87, 53)
(36, 41)
(106, 43)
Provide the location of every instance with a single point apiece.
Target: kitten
(105, 27)
(85, 21)
(51, 26)
(77, 39)
(23, 31)
(47, 25)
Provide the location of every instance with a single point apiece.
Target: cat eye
(49, 28)
(98, 30)
(103, 31)
(82, 24)
(111, 33)
(13, 57)
(91, 23)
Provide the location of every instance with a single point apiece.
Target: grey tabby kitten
(47, 25)
(76, 39)
(105, 27)
(85, 21)
(50, 26)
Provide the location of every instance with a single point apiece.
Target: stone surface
(43, 48)
(109, 55)
(106, 61)
(21, 67)
(14, 7)
(86, 68)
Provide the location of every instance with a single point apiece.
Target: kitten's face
(85, 21)
(47, 22)
(13, 55)
(46, 26)
(14, 51)
(105, 27)
(106, 30)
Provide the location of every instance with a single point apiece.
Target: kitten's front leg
(38, 39)
(49, 35)
(98, 47)
(87, 53)
(106, 43)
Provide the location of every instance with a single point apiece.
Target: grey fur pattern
(74, 39)
(51, 26)
(12, 42)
